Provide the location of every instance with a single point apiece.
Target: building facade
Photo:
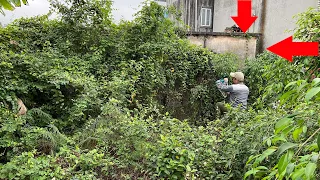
(196, 14)
(275, 17)
(161, 2)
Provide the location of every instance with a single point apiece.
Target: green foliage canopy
(136, 101)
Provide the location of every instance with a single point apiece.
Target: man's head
(237, 77)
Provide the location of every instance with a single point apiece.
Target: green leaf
(305, 129)
(278, 138)
(310, 169)
(315, 158)
(298, 174)
(290, 168)
(6, 5)
(251, 158)
(283, 123)
(311, 93)
(283, 162)
(290, 84)
(17, 3)
(261, 168)
(1, 11)
(294, 114)
(285, 147)
(287, 130)
(312, 147)
(285, 96)
(318, 141)
(188, 168)
(315, 82)
(265, 154)
(271, 175)
(296, 133)
(269, 142)
(251, 172)
(302, 86)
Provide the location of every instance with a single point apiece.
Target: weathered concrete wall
(278, 17)
(223, 43)
(197, 40)
(244, 48)
(224, 9)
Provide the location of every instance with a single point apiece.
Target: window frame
(206, 16)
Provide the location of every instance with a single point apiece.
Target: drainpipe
(212, 14)
(196, 16)
(189, 12)
(263, 15)
(318, 5)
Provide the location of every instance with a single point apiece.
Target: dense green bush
(267, 76)
(107, 87)
(135, 101)
(291, 151)
(295, 139)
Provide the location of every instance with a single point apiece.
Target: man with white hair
(238, 91)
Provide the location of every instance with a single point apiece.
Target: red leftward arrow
(244, 19)
(287, 48)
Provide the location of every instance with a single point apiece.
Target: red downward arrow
(244, 19)
(287, 48)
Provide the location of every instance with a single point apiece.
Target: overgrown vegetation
(135, 101)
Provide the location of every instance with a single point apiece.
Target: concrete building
(275, 17)
(197, 14)
(161, 2)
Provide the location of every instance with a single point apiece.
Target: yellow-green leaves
(299, 90)
(286, 146)
(282, 124)
(254, 171)
(315, 82)
(283, 163)
(296, 133)
(17, 3)
(314, 90)
(264, 155)
(310, 169)
(318, 141)
(10, 4)
(311, 93)
(6, 5)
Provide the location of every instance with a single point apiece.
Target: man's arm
(226, 88)
(223, 86)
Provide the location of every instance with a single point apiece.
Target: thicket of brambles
(136, 100)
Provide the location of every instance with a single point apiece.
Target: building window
(206, 17)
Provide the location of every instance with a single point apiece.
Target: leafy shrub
(267, 77)
(135, 101)
(28, 166)
(66, 164)
(295, 140)
(293, 147)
